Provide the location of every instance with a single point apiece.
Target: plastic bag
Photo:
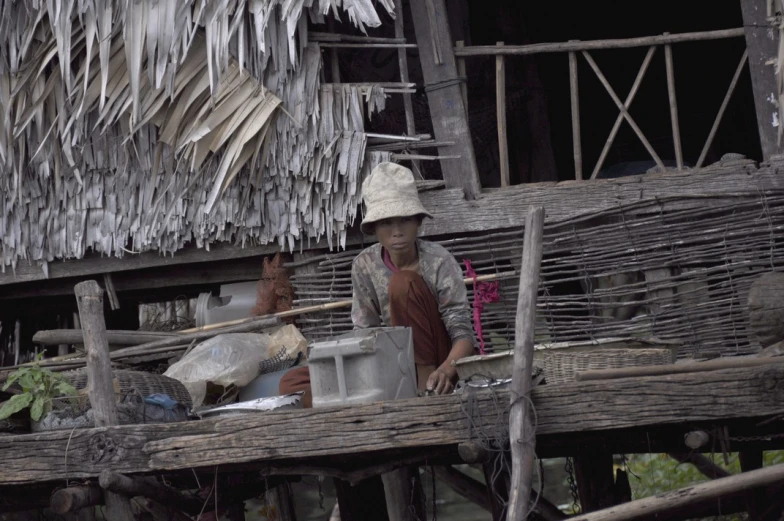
(222, 360)
(287, 348)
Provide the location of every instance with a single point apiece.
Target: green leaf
(15, 404)
(65, 389)
(13, 377)
(26, 381)
(37, 409)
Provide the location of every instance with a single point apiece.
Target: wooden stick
(316, 36)
(114, 301)
(461, 71)
(669, 369)
(500, 110)
(339, 45)
(149, 488)
(575, 94)
(53, 337)
(701, 463)
(464, 485)
(628, 103)
(521, 429)
(73, 499)
(333, 55)
(623, 110)
(676, 132)
(672, 501)
(723, 107)
(623, 43)
(435, 34)
(89, 298)
(248, 325)
(338, 304)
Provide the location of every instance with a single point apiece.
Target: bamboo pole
(676, 132)
(316, 36)
(670, 369)
(593, 45)
(675, 500)
(521, 429)
(341, 45)
(402, 60)
(500, 109)
(329, 306)
(723, 107)
(628, 103)
(575, 95)
(623, 110)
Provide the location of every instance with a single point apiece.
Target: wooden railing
(575, 48)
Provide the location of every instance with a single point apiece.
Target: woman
(405, 281)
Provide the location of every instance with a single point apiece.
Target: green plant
(39, 387)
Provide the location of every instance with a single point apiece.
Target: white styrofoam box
(366, 365)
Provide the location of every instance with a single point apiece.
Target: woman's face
(398, 234)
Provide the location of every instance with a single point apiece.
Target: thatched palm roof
(146, 124)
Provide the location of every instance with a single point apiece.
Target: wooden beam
(75, 498)
(672, 502)
(595, 480)
(701, 463)
(404, 424)
(622, 43)
(574, 91)
(464, 485)
(442, 86)
(676, 131)
(762, 43)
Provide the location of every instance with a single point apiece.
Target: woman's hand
(440, 381)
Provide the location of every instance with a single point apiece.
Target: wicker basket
(561, 365)
(138, 381)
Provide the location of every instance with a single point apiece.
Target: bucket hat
(390, 191)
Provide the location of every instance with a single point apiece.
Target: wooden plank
(522, 437)
(360, 430)
(497, 209)
(500, 110)
(621, 43)
(103, 400)
(461, 71)
(762, 43)
(444, 98)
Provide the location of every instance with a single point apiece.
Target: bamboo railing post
(724, 103)
(628, 103)
(461, 71)
(575, 94)
(623, 110)
(676, 132)
(521, 430)
(89, 299)
(402, 60)
(500, 105)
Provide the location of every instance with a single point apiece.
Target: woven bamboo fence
(636, 271)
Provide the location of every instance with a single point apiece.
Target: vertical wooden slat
(723, 107)
(402, 60)
(500, 105)
(461, 71)
(333, 54)
(522, 438)
(676, 132)
(575, 93)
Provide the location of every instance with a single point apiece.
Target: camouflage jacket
(370, 281)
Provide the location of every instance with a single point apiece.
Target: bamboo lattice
(633, 272)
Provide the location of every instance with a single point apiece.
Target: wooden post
(89, 298)
(575, 94)
(402, 60)
(762, 42)
(755, 499)
(521, 435)
(461, 71)
(279, 498)
(497, 490)
(500, 110)
(442, 86)
(676, 132)
(595, 480)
